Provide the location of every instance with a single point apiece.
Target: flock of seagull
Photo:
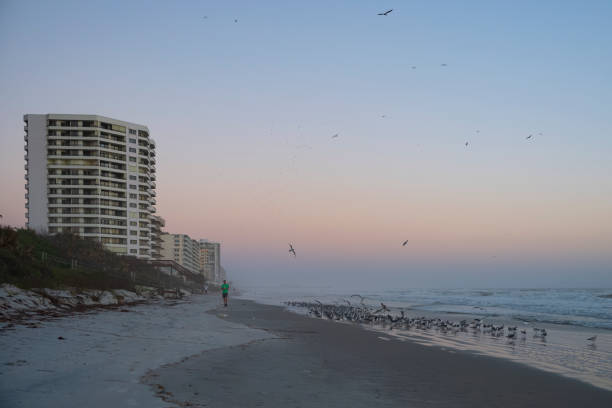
(384, 317)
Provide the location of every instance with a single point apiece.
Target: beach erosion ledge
(316, 362)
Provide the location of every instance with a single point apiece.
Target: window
(133, 224)
(133, 232)
(132, 159)
(133, 241)
(133, 196)
(133, 251)
(133, 150)
(133, 168)
(133, 205)
(133, 177)
(133, 186)
(132, 131)
(132, 140)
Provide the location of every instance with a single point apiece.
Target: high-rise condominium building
(210, 260)
(157, 223)
(92, 176)
(181, 249)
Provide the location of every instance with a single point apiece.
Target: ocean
(569, 315)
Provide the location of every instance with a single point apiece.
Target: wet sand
(318, 363)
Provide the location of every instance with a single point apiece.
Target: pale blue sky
(243, 114)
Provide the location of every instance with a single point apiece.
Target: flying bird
(592, 339)
(235, 20)
(529, 137)
(444, 65)
(414, 67)
(335, 136)
(466, 144)
(385, 13)
(291, 250)
(405, 242)
(383, 307)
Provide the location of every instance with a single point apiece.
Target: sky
(243, 99)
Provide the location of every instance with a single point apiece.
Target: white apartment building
(181, 249)
(93, 176)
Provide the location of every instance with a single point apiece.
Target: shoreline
(194, 352)
(316, 362)
(566, 350)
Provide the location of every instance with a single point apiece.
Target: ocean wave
(579, 307)
(563, 322)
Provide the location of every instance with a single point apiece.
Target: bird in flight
(385, 13)
(383, 307)
(414, 67)
(529, 137)
(235, 20)
(592, 339)
(405, 242)
(291, 250)
(444, 65)
(466, 144)
(336, 135)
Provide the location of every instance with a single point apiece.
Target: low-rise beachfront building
(181, 249)
(93, 176)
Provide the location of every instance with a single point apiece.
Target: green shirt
(225, 288)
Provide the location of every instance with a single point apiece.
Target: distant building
(203, 256)
(181, 249)
(92, 176)
(210, 260)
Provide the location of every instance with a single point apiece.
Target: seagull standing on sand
(385, 13)
(291, 250)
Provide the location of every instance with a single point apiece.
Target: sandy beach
(98, 358)
(313, 363)
(194, 352)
